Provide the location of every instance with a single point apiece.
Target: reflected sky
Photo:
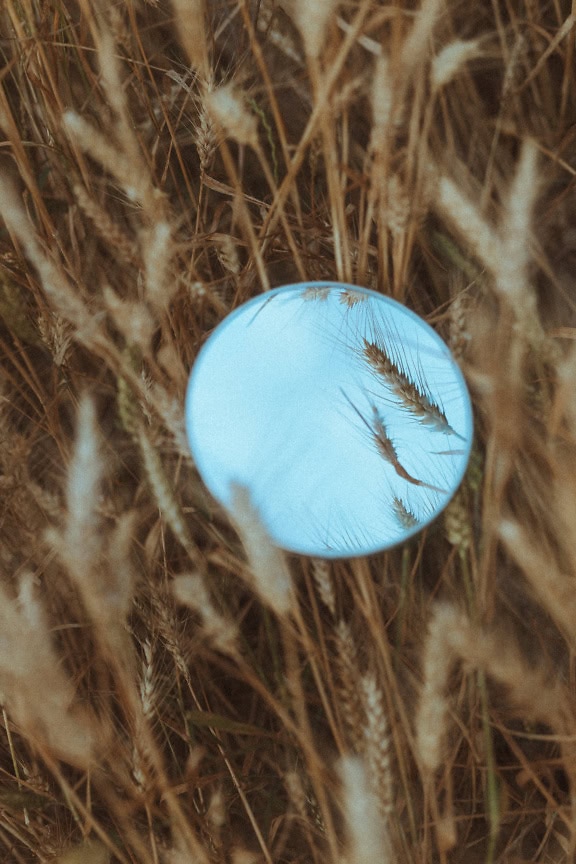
(341, 411)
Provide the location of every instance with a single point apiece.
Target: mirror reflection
(342, 413)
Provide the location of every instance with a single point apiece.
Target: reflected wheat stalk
(408, 392)
(386, 448)
(403, 514)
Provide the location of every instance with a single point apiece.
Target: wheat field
(173, 688)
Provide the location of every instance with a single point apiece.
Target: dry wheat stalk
(133, 319)
(368, 841)
(81, 542)
(377, 743)
(227, 252)
(452, 637)
(268, 566)
(146, 685)
(432, 711)
(100, 570)
(216, 813)
(33, 684)
(296, 793)
(108, 230)
(381, 103)
(398, 207)
(537, 690)
(348, 673)
(190, 18)
(160, 284)
(162, 490)
(141, 767)
(205, 137)
(111, 80)
(190, 590)
(227, 109)
(58, 289)
(512, 277)
(321, 571)
(459, 334)
(170, 634)
(313, 20)
(416, 46)
(56, 334)
(448, 62)
(130, 172)
(457, 522)
(554, 588)
(469, 222)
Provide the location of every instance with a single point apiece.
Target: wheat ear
(403, 514)
(408, 392)
(385, 446)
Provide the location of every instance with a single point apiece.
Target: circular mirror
(341, 412)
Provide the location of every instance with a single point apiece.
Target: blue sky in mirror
(342, 412)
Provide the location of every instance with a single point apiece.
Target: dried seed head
(190, 20)
(123, 163)
(269, 569)
(406, 518)
(228, 255)
(33, 684)
(416, 46)
(457, 522)
(367, 839)
(349, 701)
(205, 138)
(381, 99)
(162, 490)
(470, 223)
(159, 285)
(146, 680)
(312, 19)
(58, 289)
(451, 58)
(216, 812)
(321, 571)
(108, 230)
(190, 590)
(227, 109)
(296, 793)
(56, 333)
(432, 712)
(111, 75)
(398, 207)
(410, 392)
(132, 319)
(459, 337)
(82, 538)
(512, 276)
(377, 743)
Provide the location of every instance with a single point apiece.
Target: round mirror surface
(341, 412)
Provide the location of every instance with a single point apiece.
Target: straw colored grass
(172, 687)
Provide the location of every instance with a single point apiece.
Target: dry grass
(166, 696)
